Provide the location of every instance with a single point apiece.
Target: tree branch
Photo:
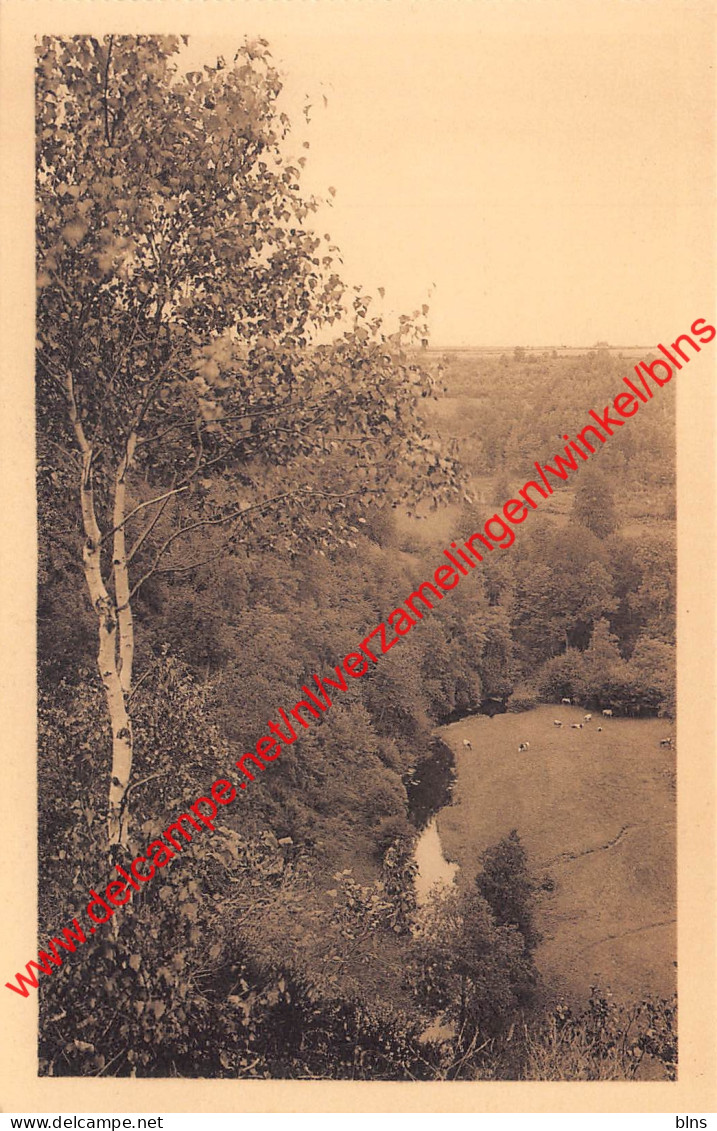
(273, 410)
(120, 565)
(150, 526)
(75, 416)
(196, 565)
(151, 392)
(53, 376)
(147, 503)
(139, 683)
(73, 457)
(137, 784)
(220, 520)
(200, 466)
(105, 87)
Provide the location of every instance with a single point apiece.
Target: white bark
(120, 686)
(121, 572)
(107, 659)
(115, 650)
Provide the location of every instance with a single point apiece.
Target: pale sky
(547, 165)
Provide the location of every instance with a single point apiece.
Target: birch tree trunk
(117, 697)
(115, 651)
(110, 630)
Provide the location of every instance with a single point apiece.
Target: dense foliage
(181, 382)
(599, 556)
(512, 410)
(180, 286)
(308, 893)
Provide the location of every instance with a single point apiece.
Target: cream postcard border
(20, 1088)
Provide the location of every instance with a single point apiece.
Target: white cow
(466, 744)
(599, 729)
(666, 742)
(566, 701)
(607, 714)
(576, 726)
(523, 746)
(557, 723)
(587, 718)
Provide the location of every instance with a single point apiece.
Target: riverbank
(596, 812)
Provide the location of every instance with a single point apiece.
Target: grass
(597, 813)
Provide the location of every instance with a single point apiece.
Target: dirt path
(588, 851)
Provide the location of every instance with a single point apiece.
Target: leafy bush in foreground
(605, 1041)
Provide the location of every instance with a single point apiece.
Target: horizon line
(541, 348)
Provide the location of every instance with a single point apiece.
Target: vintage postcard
(358, 560)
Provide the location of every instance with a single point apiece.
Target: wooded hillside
(225, 506)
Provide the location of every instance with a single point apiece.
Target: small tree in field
(180, 291)
(508, 888)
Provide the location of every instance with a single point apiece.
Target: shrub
(604, 1041)
(508, 888)
(524, 702)
(563, 676)
(476, 973)
(392, 829)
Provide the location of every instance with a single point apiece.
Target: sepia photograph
(353, 324)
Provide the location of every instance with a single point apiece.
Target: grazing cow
(523, 746)
(607, 714)
(576, 726)
(566, 701)
(557, 723)
(666, 742)
(587, 718)
(599, 729)
(467, 744)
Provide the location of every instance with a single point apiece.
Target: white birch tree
(180, 388)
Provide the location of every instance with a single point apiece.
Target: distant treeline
(514, 408)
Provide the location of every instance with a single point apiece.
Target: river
(430, 788)
(434, 871)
